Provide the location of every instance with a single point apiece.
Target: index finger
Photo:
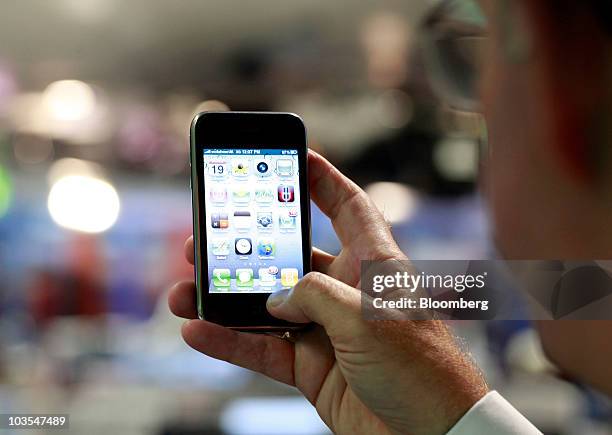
(261, 353)
(355, 218)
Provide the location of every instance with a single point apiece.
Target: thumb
(321, 299)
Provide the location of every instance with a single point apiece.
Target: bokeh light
(396, 108)
(396, 201)
(457, 159)
(386, 39)
(211, 106)
(6, 191)
(83, 203)
(69, 100)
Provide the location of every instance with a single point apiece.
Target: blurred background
(96, 97)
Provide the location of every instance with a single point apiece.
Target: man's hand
(362, 376)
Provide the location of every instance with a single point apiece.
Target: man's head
(547, 97)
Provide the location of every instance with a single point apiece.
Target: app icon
(221, 277)
(266, 277)
(242, 246)
(266, 248)
(264, 220)
(287, 219)
(284, 167)
(242, 220)
(220, 247)
(289, 277)
(219, 220)
(240, 168)
(217, 168)
(264, 194)
(263, 169)
(241, 195)
(244, 277)
(285, 193)
(218, 194)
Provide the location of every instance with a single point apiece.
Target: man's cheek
(504, 199)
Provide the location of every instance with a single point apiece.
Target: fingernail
(277, 298)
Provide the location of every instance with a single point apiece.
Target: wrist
(450, 383)
(457, 406)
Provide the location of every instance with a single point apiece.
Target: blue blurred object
(272, 416)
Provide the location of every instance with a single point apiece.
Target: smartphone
(251, 214)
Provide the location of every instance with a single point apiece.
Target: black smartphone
(251, 214)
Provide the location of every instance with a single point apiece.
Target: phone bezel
(249, 130)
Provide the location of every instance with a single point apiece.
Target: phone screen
(253, 219)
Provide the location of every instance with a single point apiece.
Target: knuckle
(357, 201)
(326, 289)
(316, 284)
(312, 281)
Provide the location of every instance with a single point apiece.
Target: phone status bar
(244, 151)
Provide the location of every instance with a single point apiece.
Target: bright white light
(69, 100)
(397, 202)
(83, 203)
